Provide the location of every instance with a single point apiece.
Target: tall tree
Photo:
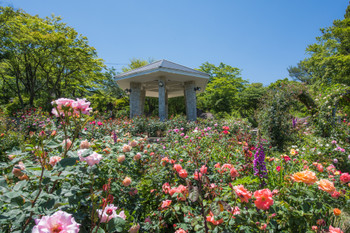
(44, 58)
(221, 93)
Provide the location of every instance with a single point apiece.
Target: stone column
(135, 99)
(162, 99)
(142, 100)
(166, 104)
(190, 100)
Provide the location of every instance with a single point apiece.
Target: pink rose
(92, 159)
(58, 222)
(54, 160)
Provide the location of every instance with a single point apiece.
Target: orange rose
(336, 211)
(307, 177)
(326, 185)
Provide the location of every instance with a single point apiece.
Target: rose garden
(78, 172)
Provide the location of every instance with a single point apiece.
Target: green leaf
(67, 162)
(193, 196)
(116, 224)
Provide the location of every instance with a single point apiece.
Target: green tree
(221, 93)
(44, 59)
(329, 60)
(249, 100)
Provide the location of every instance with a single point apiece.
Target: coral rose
(233, 172)
(166, 188)
(211, 218)
(127, 181)
(242, 193)
(177, 167)
(263, 199)
(334, 230)
(326, 186)
(204, 169)
(344, 178)
(307, 177)
(183, 173)
(166, 204)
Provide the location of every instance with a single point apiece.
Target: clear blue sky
(262, 38)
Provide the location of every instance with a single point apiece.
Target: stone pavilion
(163, 79)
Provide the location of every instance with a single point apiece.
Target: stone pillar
(166, 104)
(135, 99)
(162, 99)
(142, 100)
(190, 101)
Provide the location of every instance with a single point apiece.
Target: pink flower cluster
(64, 106)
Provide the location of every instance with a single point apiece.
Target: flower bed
(85, 174)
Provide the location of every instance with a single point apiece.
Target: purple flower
(335, 160)
(115, 137)
(260, 165)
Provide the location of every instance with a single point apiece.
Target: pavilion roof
(175, 75)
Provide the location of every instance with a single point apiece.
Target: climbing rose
(307, 177)
(263, 199)
(109, 213)
(54, 160)
(242, 193)
(58, 222)
(326, 186)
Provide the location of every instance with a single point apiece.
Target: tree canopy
(44, 59)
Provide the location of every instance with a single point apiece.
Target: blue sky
(262, 38)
